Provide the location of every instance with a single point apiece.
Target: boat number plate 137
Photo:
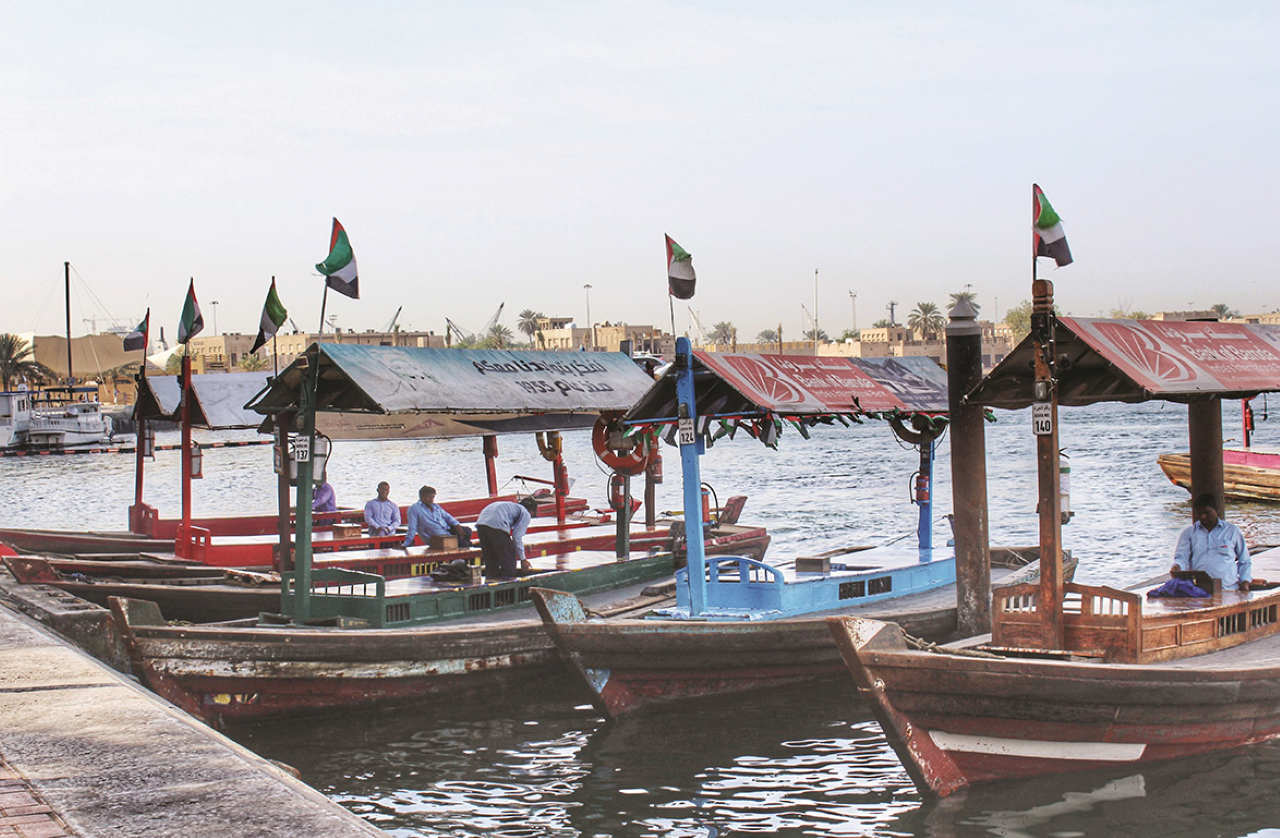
(1042, 418)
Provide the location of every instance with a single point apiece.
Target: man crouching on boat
(1214, 546)
(501, 528)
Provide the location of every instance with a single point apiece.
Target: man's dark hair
(530, 504)
(426, 490)
(1205, 501)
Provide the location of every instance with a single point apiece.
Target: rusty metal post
(968, 473)
(1044, 419)
(491, 463)
(1204, 427)
(284, 556)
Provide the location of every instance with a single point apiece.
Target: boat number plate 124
(685, 429)
(1042, 418)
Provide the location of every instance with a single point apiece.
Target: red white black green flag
(680, 275)
(192, 322)
(1050, 240)
(137, 339)
(340, 267)
(273, 316)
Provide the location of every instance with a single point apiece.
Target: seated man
(324, 499)
(501, 528)
(427, 518)
(1214, 546)
(382, 515)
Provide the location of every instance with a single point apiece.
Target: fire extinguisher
(706, 505)
(197, 461)
(922, 488)
(655, 469)
(1064, 488)
(617, 493)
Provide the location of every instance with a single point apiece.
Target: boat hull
(956, 720)
(636, 664)
(1246, 474)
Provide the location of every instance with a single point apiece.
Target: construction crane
(702, 336)
(473, 337)
(392, 325)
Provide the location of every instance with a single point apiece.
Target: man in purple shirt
(501, 527)
(382, 515)
(324, 499)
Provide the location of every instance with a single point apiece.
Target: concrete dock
(86, 752)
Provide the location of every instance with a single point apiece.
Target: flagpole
(672, 302)
(324, 301)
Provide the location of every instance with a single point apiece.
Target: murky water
(794, 762)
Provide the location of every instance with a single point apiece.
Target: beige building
(560, 333)
(226, 352)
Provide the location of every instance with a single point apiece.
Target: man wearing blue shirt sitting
(501, 527)
(382, 515)
(427, 518)
(1214, 546)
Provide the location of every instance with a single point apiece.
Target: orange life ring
(630, 462)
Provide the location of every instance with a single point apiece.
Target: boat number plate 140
(1042, 418)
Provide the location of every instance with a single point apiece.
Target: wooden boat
(1079, 676)
(633, 663)
(1247, 473)
(383, 644)
(197, 597)
(1139, 680)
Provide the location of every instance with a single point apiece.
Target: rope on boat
(921, 645)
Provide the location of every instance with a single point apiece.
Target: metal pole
(815, 312)
(71, 381)
(184, 540)
(591, 327)
(284, 421)
(306, 490)
(491, 463)
(924, 496)
(691, 447)
(968, 473)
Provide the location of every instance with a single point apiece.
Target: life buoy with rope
(923, 428)
(623, 461)
(549, 445)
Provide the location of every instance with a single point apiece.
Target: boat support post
(306, 489)
(182, 545)
(968, 473)
(1204, 429)
(924, 495)
(491, 463)
(1044, 420)
(691, 447)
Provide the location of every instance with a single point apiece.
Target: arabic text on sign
(1042, 418)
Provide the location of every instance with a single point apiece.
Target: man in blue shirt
(501, 527)
(426, 518)
(382, 515)
(324, 499)
(1214, 546)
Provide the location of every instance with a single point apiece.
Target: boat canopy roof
(497, 391)
(218, 403)
(733, 385)
(1105, 360)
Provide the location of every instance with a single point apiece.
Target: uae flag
(680, 275)
(340, 268)
(1047, 227)
(273, 315)
(137, 339)
(192, 322)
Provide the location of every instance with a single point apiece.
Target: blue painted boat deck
(741, 589)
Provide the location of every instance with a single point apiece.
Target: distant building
(227, 351)
(560, 333)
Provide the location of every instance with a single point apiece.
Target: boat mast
(66, 271)
(691, 446)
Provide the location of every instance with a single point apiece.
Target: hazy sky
(488, 152)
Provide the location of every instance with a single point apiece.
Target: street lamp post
(853, 303)
(815, 312)
(590, 326)
(215, 317)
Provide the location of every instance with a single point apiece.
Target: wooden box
(442, 542)
(346, 530)
(813, 564)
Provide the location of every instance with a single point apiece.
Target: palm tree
(1224, 311)
(968, 296)
(173, 365)
(498, 338)
(767, 336)
(926, 319)
(528, 322)
(723, 332)
(17, 360)
(822, 334)
(254, 363)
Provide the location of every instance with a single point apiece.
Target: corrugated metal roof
(219, 402)
(1138, 360)
(732, 384)
(484, 391)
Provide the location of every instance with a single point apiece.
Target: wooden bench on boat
(1127, 627)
